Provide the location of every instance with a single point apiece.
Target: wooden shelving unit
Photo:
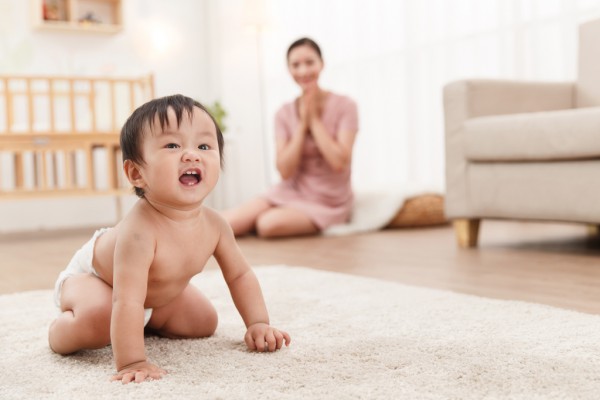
(97, 16)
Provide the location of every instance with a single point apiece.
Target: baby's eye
(172, 146)
(204, 147)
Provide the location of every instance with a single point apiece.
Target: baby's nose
(191, 156)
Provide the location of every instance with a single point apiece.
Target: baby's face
(182, 164)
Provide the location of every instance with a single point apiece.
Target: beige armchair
(525, 150)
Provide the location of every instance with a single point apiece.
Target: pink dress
(316, 189)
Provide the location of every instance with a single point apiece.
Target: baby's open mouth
(191, 177)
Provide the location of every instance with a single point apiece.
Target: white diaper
(81, 263)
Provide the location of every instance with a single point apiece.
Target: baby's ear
(133, 174)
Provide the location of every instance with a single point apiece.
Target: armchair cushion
(555, 135)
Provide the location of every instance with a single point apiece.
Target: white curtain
(394, 57)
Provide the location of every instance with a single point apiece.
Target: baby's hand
(138, 372)
(262, 337)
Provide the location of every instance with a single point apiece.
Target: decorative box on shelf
(98, 16)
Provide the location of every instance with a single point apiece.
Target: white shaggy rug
(352, 338)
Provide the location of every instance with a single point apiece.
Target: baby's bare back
(181, 250)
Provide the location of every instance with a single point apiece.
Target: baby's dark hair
(134, 128)
(304, 42)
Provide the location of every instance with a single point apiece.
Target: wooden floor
(554, 264)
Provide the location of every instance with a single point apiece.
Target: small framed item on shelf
(98, 16)
(55, 10)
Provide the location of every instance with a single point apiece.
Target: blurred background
(393, 57)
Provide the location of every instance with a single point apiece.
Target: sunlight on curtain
(394, 57)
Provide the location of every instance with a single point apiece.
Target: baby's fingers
(254, 343)
(261, 344)
(279, 339)
(158, 374)
(287, 337)
(140, 376)
(124, 377)
(271, 341)
(249, 341)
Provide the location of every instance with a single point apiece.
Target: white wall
(236, 79)
(180, 65)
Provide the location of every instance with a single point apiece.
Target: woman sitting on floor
(314, 137)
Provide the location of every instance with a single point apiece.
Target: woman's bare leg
(86, 304)
(243, 218)
(282, 221)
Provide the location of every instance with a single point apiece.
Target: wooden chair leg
(467, 232)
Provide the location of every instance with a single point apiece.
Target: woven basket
(424, 210)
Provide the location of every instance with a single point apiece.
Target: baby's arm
(247, 295)
(134, 253)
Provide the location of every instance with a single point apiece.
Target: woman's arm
(289, 150)
(336, 151)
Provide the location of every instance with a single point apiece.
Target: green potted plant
(218, 113)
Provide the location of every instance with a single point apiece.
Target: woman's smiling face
(305, 66)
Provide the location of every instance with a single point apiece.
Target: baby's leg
(189, 315)
(86, 304)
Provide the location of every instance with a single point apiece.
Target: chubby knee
(200, 325)
(87, 328)
(207, 325)
(94, 312)
(54, 339)
(93, 325)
